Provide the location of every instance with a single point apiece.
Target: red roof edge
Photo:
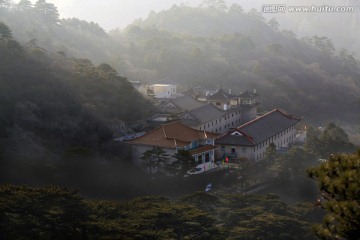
(250, 138)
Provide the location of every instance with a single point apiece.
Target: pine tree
(339, 181)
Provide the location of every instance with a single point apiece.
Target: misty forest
(66, 85)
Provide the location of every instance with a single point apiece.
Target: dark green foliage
(155, 160)
(270, 153)
(183, 163)
(291, 164)
(332, 139)
(339, 183)
(255, 217)
(51, 105)
(44, 213)
(55, 213)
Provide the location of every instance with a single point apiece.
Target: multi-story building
(251, 139)
(175, 136)
(163, 90)
(223, 112)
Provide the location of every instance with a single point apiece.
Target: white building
(175, 136)
(163, 90)
(250, 140)
(223, 112)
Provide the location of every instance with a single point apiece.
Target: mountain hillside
(57, 112)
(240, 50)
(211, 45)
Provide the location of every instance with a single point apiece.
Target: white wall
(281, 139)
(257, 153)
(163, 90)
(228, 121)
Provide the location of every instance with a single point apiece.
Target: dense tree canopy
(339, 182)
(56, 112)
(58, 213)
(332, 139)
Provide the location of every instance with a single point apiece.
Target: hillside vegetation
(240, 50)
(56, 213)
(56, 113)
(210, 45)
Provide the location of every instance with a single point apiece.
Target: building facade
(163, 90)
(223, 112)
(250, 140)
(175, 136)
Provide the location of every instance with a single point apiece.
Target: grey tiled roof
(182, 104)
(248, 94)
(221, 95)
(260, 129)
(187, 103)
(242, 140)
(205, 113)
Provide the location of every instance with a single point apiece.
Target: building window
(207, 157)
(243, 149)
(200, 161)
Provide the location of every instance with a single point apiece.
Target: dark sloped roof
(220, 95)
(200, 92)
(187, 103)
(260, 129)
(229, 139)
(248, 94)
(205, 113)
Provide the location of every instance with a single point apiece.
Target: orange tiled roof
(202, 149)
(171, 135)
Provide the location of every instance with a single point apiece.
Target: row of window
(271, 140)
(232, 124)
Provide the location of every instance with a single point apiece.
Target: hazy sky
(111, 14)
